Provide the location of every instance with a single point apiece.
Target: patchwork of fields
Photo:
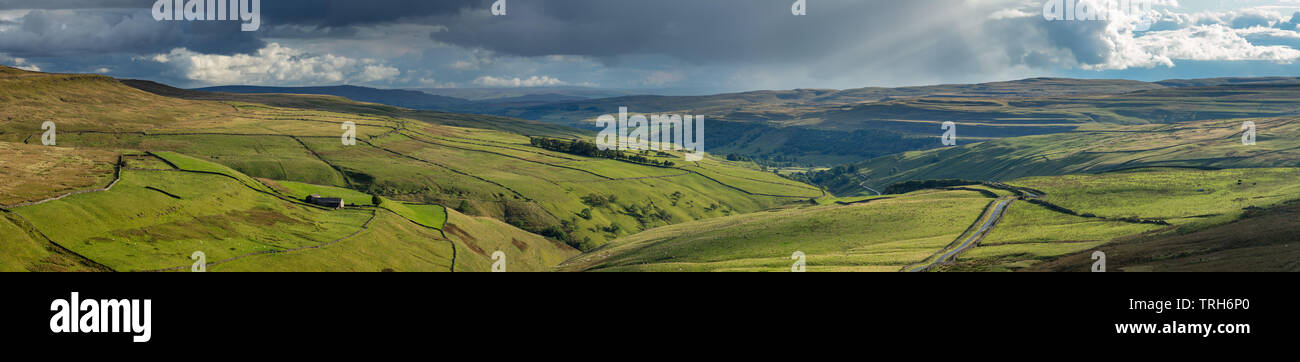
(228, 178)
(139, 181)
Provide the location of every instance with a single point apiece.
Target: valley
(143, 175)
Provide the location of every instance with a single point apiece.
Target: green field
(1180, 196)
(882, 235)
(299, 190)
(431, 216)
(23, 250)
(154, 220)
(1189, 199)
(1026, 223)
(135, 228)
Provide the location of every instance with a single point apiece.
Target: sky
(666, 46)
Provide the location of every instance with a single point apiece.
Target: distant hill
(342, 104)
(533, 99)
(1210, 144)
(1208, 82)
(497, 94)
(827, 127)
(393, 97)
(782, 103)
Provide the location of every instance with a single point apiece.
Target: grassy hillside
(1113, 211)
(882, 235)
(1179, 196)
(154, 219)
(235, 173)
(25, 249)
(1263, 240)
(31, 173)
(1147, 209)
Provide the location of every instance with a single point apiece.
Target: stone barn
(330, 202)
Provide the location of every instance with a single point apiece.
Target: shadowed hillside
(1211, 144)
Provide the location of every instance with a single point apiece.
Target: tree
(376, 200)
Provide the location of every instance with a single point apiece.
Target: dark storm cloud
(940, 33)
(73, 4)
(71, 27)
(838, 39)
(342, 13)
(700, 43)
(323, 13)
(694, 30)
(51, 33)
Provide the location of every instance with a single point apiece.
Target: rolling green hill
(881, 235)
(1145, 215)
(232, 170)
(1263, 240)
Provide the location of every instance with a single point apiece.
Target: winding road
(945, 256)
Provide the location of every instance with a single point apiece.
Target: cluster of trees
(647, 214)
(766, 160)
(597, 200)
(832, 178)
(738, 157)
(909, 186)
(588, 149)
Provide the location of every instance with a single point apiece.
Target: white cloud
(378, 72)
(1117, 43)
(477, 59)
(21, 63)
(1200, 43)
(534, 81)
(277, 65)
